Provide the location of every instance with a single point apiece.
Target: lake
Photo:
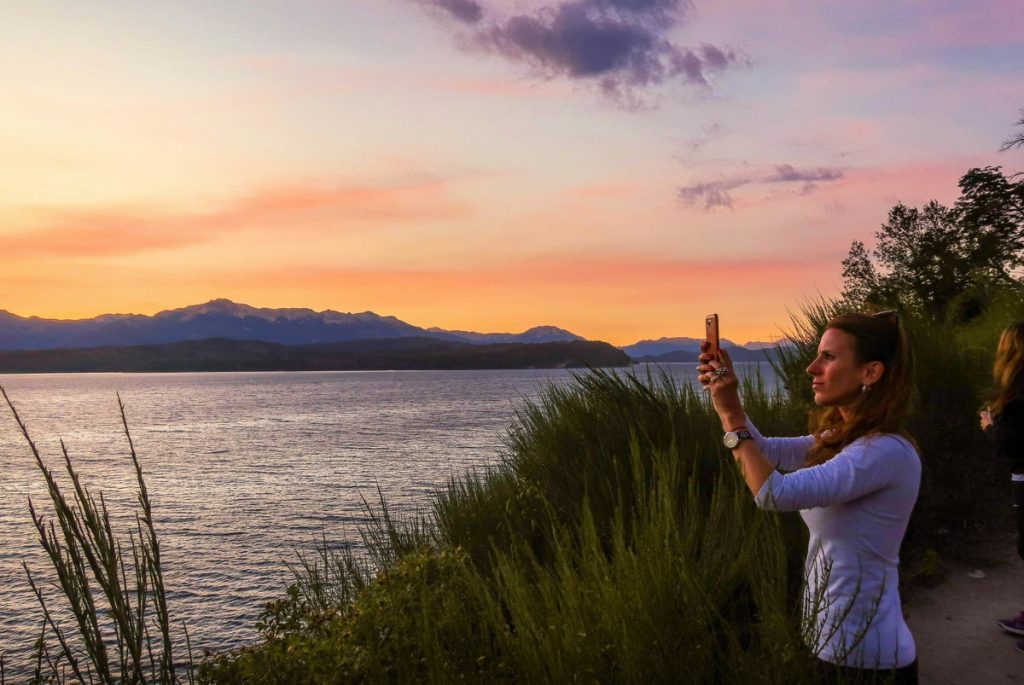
(243, 469)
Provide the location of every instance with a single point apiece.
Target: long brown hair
(882, 407)
(1008, 371)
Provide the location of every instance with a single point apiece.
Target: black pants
(1018, 512)
(833, 674)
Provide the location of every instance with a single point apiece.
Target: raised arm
(719, 379)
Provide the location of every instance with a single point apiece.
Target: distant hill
(737, 354)
(686, 350)
(654, 348)
(221, 354)
(537, 334)
(230, 320)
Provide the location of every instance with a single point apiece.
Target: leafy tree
(930, 258)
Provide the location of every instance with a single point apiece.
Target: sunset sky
(618, 168)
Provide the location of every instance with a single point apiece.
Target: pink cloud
(127, 231)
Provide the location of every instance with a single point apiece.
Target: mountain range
(225, 319)
(686, 350)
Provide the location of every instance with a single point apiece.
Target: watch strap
(739, 436)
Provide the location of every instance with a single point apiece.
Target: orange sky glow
(367, 157)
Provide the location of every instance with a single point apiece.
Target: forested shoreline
(221, 354)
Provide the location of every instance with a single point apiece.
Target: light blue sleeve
(787, 454)
(865, 466)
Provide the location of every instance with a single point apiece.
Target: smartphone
(711, 334)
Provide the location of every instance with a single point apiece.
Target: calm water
(244, 469)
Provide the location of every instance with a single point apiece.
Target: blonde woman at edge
(854, 480)
(1003, 422)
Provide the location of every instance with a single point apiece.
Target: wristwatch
(732, 439)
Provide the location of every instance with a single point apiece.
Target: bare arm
(755, 468)
(725, 397)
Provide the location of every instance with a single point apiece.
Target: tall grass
(615, 542)
(114, 593)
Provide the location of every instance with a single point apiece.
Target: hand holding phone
(711, 334)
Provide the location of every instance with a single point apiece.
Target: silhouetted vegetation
(947, 263)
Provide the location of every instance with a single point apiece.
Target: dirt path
(958, 641)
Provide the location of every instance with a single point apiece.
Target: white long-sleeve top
(856, 507)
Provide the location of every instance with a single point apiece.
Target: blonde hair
(1008, 371)
(881, 409)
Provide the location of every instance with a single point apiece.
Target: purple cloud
(640, 5)
(711, 194)
(785, 173)
(467, 11)
(619, 46)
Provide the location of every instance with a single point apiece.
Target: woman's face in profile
(836, 377)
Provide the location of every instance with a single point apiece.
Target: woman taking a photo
(854, 480)
(1003, 422)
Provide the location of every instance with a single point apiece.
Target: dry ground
(958, 641)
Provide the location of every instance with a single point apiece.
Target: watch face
(731, 440)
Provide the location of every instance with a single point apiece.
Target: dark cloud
(572, 43)
(785, 173)
(619, 46)
(711, 194)
(716, 57)
(468, 11)
(651, 13)
(639, 6)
